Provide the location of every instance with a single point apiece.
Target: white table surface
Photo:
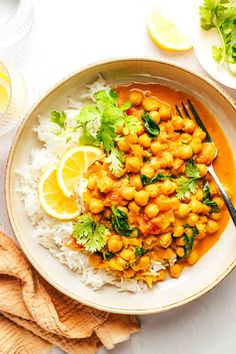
(65, 36)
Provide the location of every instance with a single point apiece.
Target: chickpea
(107, 213)
(163, 202)
(156, 147)
(202, 169)
(155, 163)
(92, 181)
(205, 209)
(180, 251)
(155, 116)
(183, 211)
(151, 210)
(133, 164)
(136, 182)
(141, 197)
(199, 133)
(145, 140)
(114, 244)
(168, 187)
(189, 126)
(136, 98)
(201, 230)
(180, 241)
(144, 262)
(198, 194)
(152, 190)
(213, 188)
(132, 138)
(165, 240)
(202, 219)
(165, 112)
(192, 219)
(212, 226)
(148, 171)
(219, 202)
(196, 145)
(208, 153)
(150, 104)
(174, 203)
(128, 193)
(133, 207)
(185, 138)
(175, 270)
(105, 185)
(167, 159)
(178, 231)
(117, 263)
(141, 130)
(215, 216)
(96, 206)
(185, 152)
(196, 206)
(95, 260)
(193, 257)
(127, 253)
(177, 122)
(123, 145)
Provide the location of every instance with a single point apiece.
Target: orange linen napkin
(34, 316)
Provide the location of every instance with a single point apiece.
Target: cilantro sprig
(58, 118)
(221, 14)
(189, 183)
(90, 234)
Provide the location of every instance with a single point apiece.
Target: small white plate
(202, 44)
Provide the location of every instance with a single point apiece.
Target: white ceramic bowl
(194, 281)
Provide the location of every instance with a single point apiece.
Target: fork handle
(228, 202)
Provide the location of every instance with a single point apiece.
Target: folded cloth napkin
(34, 316)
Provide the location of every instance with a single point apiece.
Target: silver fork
(211, 170)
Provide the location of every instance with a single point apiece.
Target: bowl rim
(20, 239)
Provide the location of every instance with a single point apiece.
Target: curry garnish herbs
(158, 177)
(58, 118)
(189, 184)
(151, 127)
(119, 221)
(139, 251)
(207, 199)
(90, 234)
(189, 239)
(221, 15)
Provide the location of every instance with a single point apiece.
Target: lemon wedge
(52, 200)
(73, 164)
(166, 34)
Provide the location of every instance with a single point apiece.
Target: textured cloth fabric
(34, 316)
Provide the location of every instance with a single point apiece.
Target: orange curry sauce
(221, 165)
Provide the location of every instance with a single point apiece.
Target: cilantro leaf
(139, 251)
(158, 177)
(207, 199)
(150, 125)
(192, 170)
(119, 221)
(87, 139)
(90, 234)
(186, 186)
(87, 114)
(58, 118)
(115, 160)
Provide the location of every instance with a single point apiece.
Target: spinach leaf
(158, 177)
(188, 240)
(119, 221)
(139, 251)
(150, 125)
(207, 199)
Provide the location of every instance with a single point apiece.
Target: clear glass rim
(10, 89)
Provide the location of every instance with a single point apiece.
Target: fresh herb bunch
(158, 177)
(221, 14)
(119, 221)
(189, 239)
(90, 234)
(189, 183)
(58, 118)
(207, 199)
(150, 125)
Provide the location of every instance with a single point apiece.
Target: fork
(211, 170)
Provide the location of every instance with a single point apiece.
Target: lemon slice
(52, 200)
(165, 33)
(4, 90)
(73, 164)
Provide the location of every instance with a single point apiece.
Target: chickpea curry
(150, 205)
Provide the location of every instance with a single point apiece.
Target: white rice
(51, 233)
